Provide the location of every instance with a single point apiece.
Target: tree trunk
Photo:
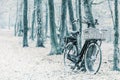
(33, 21)
(71, 14)
(39, 24)
(63, 24)
(77, 9)
(116, 38)
(16, 22)
(88, 12)
(80, 22)
(54, 43)
(46, 25)
(25, 24)
(20, 25)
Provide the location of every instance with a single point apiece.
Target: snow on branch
(98, 2)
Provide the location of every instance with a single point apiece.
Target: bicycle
(90, 56)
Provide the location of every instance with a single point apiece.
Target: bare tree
(33, 21)
(80, 22)
(16, 24)
(25, 24)
(116, 37)
(54, 43)
(18, 29)
(46, 24)
(20, 19)
(39, 24)
(63, 20)
(71, 14)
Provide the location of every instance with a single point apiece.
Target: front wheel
(93, 58)
(70, 54)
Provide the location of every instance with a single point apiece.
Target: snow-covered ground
(17, 63)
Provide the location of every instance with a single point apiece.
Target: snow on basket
(93, 33)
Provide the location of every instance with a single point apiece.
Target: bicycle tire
(91, 57)
(67, 51)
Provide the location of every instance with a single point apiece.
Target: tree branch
(98, 2)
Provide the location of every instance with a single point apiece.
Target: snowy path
(17, 63)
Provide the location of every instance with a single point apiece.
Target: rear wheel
(93, 58)
(70, 54)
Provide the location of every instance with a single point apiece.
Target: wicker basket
(93, 33)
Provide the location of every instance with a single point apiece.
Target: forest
(37, 37)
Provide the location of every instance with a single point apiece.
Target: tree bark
(25, 24)
(88, 12)
(71, 14)
(77, 8)
(116, 38)
(80, 22)
(20, 20)
(16, 22)
(63, 24)
(46, 25)
(39, 26)
(54, 43)
(33, 21)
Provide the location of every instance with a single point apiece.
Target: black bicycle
(89, 58)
